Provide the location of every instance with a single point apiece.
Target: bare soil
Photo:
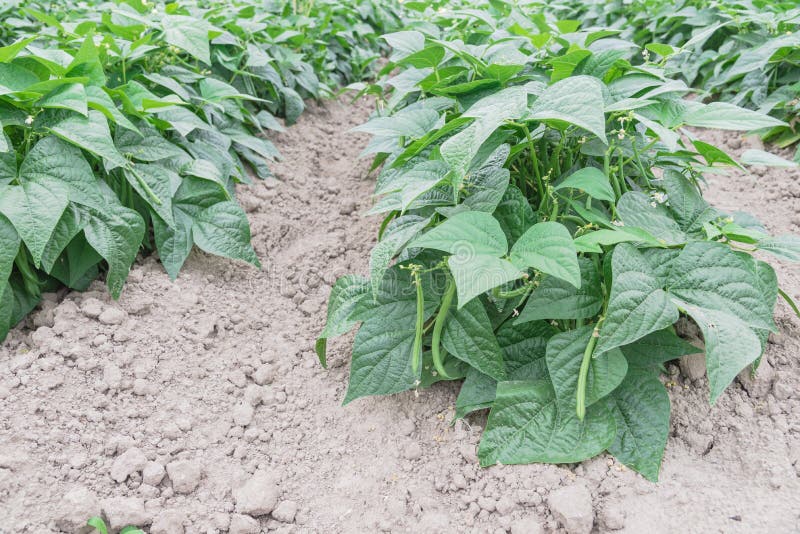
(214, 377)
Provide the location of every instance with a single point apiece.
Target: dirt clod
(572, 508)
(258, 496)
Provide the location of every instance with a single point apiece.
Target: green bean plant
(543, 231)
(127, 125)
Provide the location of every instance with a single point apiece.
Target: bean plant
(543, 231)
(127, 125)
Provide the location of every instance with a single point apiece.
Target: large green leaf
(222, 229)
(526, 425)
(725, 116)
(656, 348)
(477, 393)
(468, 336)
(53, 159)
(564, 356)
(382, 349)
(115, 233)
(524, 349)
(640, 406)
(577, 100)
(34, 208)
(71, 96)
(91, 134)
(548, 247)
(713, 276)
(637, 305)
(730, 343)
(189, 34)
(636, 209)
(466, 235)
(479, 273)
(173, 243)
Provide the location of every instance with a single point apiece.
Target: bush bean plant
(544, 230)
(127, 124)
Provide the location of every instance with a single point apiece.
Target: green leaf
(725, 116)
(53, 159)
(637, 305)
(381, 363)
(189, 34)
(70, 96)
(760, 157)
(489, 113)
(476, 274)
(686, 204)
(466, 235)
(345, 295)
(592, 241)
(394, 239)
(173, 243)
(97, 523)
(730, 346)
(9, 246)
(524, 348)
(71, 223)
(556, 299)
(514, 214)
(656, 348)
(590, 180)
(222, 229)
(413, 182)
(713, 276)
(477, 393)
(636, 209)
(641, 407)
(147, 146)
(525, 425)
(90, 134)
(548, 247)
(115, 233)
(293, 105)
(577, 100)
(34, 208)
(786, 247)
(564, 356)
(410, 123)
(468, 336)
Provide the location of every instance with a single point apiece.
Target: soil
(213, 379)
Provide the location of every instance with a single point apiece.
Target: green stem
(447, 300)
(580, 396)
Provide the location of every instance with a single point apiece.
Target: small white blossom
(29, 120)
(618, 223)
(660, 197)
(652, 204)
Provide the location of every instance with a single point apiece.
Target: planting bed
(214, 376)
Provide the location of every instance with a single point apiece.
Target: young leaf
(466, 234)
